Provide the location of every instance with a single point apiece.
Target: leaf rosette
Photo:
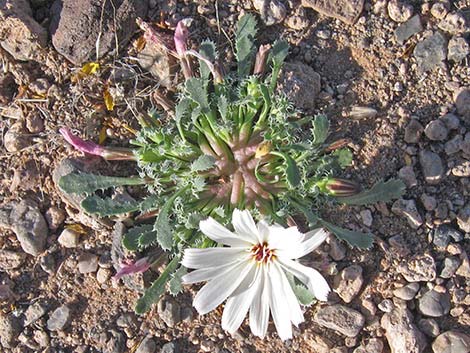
(231, 142)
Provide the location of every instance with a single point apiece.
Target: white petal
(286, 241)
(309, 276)
(279, 306)
(217, 290)
(245, 226)
(263, 230)
(259, 309)
(237, 305)
(213, 257)
(218, 233)
(205, 274)
(249, 279)
(288, 294)
(311, 241)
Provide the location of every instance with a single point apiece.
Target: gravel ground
(393, 76)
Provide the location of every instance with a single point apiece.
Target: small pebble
(386, 306)
(69, 238)
(59, 319)
(407, 292)
(87, 263)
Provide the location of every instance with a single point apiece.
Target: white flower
(251, 273)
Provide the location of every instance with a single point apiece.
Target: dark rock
(434, 304)
(452, 121)
(22, 36)
(28, 224)
(453, 145)
(296, 79)
(432, 166)
(463, 218)
(116, 343)
(436, 130)
(345, 10)
(407, 209)
(59, 319)
(451, 342)
(407, 292)
(48, 264)
(169, 311)
(340, 318)
(172, 347)
(408, 29)
(8, 87)
(429, 327)
(413, 131)
(451, 264)
(9, 329)
(75, 26)
(462, 102)
(443, 234)
(431, 52)
(147, 345)
(402, 335)
(407, 174)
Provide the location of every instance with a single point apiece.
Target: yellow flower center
(262, 253)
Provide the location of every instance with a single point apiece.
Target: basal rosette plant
(232, 141)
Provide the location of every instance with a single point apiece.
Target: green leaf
(353, 238)
(304, 296)
(292, 170)
(381, 191)
(208, 51)
(312, 218)
(150, 203)
(131, 239)
(344, 157)
(181, 111)
(277, 56)
(320, 129)
(244, 44)
(148, 238)
(176, 284)
(108, 207)
(154, 292)
(203, 162)
(197, 92)
(84, 183)
(222, 104)
(162, 225)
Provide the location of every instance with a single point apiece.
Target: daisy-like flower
(252, 273)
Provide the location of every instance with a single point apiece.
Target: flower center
(262, 253)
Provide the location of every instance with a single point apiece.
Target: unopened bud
(338, 187)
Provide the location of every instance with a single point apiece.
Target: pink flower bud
(138, 266)
(109, 153)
